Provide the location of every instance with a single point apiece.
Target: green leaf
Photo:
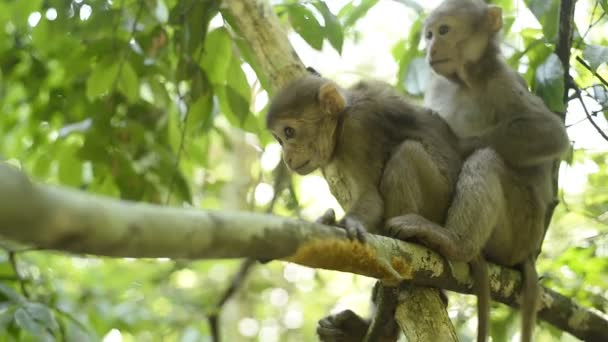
(604, 4)
(104, 185)
(235, 97)
(600, 94)
(35, 318)
(27, 323)
(7, 292)
(22, 9)
(6, 317)
(333, 29)
(408, 51)
(352, 13)
(200, 114)
(70, 167)
(547, 13)
(550, 83)
(175, 133)
(217, 53)
(238, 80)
(306, 25)
(101, 80)
(128, 83)
(596, 55)
(239, 106)
(42, 165)
(42, 313)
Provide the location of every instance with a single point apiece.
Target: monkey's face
(307, 145)
(456, 39)
(442, 35)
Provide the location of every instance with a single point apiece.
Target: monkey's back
(390, 119)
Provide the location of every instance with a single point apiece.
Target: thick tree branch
(564, 40)
(72, 221)
(257, 23)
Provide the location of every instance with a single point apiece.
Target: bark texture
(73, 221)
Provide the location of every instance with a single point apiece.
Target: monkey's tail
(481, 279)
(529, 303)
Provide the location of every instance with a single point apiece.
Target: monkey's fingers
(329, 217)
(354, 229)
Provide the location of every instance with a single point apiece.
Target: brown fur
(504, 188)
(381, 156)
(376, 130)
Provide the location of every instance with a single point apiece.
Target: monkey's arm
(365, 215)
(525, 140)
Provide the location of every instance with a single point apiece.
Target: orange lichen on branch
(342, 255)
(403, 267)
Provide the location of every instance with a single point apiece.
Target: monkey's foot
(329, 217)
(355, 230)
(345, 326)
(412, 227)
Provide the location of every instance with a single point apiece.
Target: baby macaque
(381, 156)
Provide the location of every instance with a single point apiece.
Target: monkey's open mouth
(439, 61)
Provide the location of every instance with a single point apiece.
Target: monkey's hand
(355, 230)
(345, 326)
(329, 217)
(412, 227)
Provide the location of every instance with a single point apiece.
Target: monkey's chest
(340, 185)
(465, 115)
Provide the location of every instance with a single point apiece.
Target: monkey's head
(458, 33)
(303, 118)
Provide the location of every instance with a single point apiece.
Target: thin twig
(599, 77)
(589, 117)
(12, 257)
(235, 284)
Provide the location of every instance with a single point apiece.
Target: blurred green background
(159, 101)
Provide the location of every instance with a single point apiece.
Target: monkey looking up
(505, 186)
(381, 156)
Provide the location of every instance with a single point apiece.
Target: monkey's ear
(331, 99)
(494, 16)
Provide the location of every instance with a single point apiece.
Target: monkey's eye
(443, 29)
(429, 35)
(289, 132)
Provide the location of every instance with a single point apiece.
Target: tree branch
(257, 23)
(72, 221)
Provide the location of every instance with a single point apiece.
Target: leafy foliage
(161, 101)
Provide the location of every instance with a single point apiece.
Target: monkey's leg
(477, 206)
(529, 299)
